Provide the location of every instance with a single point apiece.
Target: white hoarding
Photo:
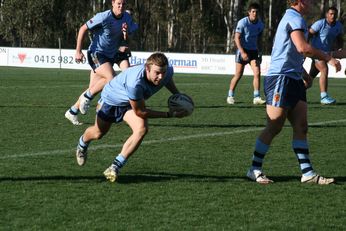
(183, 63)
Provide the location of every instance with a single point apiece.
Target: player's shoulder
(105, 14)
(317, 25)
(294, 18)
(292, 15)
(320, 21)
(136, 70)
(243, 21)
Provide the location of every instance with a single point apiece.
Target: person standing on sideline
(325, 34)
(285, 88)
(123, 98)
(247, 39)
(110, 30)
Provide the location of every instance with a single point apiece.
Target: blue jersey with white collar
(132, 84)
(107, 32)
(249, 32)
(285, 59)
(325, 34)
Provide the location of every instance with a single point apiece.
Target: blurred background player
(285, 88)
(326, 35)
(247, 39)
(123, 98)
(109, 45)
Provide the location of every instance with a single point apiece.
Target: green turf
(189, 174)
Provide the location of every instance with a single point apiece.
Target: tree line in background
(193, 26)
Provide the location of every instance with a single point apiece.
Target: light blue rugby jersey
(325, 34)
(249, 32)
(285, 59)
(132, 84)
(107, 32)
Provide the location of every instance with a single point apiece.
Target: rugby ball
(178, 102)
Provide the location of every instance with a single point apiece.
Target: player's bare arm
(239, 46)
(171, 87)
(307, 50)
(308, 80)
(138, 106)
(79, 56)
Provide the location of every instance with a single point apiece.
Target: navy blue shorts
(96, 59)
(111, 113)
(283, 91)
(252, 54)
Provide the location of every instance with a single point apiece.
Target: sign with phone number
(44, 58)
(223, 64)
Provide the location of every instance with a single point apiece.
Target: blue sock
(231, 93)
(256, 93)
(74, 110)
(260, 150)
(88, 95)
(301, 149)
(324, 94)
(83, 144)
(119, 162)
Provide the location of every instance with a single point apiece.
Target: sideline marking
(103, 146)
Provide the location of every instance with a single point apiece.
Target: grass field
(189, 174)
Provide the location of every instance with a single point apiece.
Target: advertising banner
(182, 62)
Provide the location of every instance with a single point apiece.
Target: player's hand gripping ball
(181, 102)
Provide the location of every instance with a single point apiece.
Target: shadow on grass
(53, 178)
(316, 104)
(154, 177)
(162, 176)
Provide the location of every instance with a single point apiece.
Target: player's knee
(237, 77)
(142, 131)
(324, 70)
(98, 134)
(108, 78)
(274, 130)
(274, 127)
(322, 67)
(301, 130)
(256, 74)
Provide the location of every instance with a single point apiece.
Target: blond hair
(158, 59)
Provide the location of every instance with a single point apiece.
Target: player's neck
(331, 23)
(253, 21)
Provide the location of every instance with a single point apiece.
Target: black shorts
(120, 56)
(96, 59)
(252, 54)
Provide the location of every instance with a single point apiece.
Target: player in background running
(109, 45)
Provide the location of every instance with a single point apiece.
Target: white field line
(148, 142)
